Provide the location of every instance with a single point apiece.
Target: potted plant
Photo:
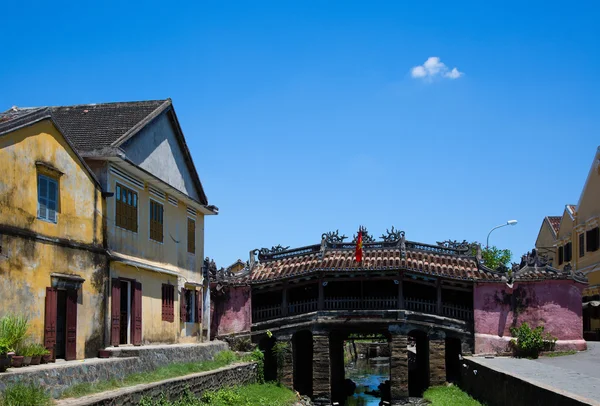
(13, 330)
(37, 351)
(26, 352)
(17, 359)
(4, 359)
(46, 356)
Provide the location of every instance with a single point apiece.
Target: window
(560, 255)
(581, 245)
(127, 208)
(568, 252)
(592, 239)
(156, 221)
(191, 236)
(47, 198)
(188, 305)
(168, 301)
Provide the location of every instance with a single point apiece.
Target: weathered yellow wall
(154, 330)
(545, 241)
(26, 264)
(80, 206)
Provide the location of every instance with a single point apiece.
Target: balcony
(264, 313)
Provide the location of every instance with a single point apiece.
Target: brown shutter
(198, 306)
(182, 307)
(71, 350)
(137, 314)
(115, 330)
(50, 321)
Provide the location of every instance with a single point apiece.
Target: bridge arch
(302, 356)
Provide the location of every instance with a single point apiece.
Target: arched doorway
(302, 347)
(453, 352)
(418, 363)
(266, 345)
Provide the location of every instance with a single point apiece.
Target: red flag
(359, 247)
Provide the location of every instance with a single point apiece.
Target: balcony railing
(264, 313)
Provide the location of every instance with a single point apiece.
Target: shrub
(4, 348)
(528, 343)
(280, 351)
(13, 330)
(258, 357)
(24, 395)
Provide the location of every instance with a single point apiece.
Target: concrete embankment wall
(497, 388)
(58, 377)
(172, 389)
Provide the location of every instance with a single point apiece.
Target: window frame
(119, 189)
(561, 255)
(190, 305)
(568, 254)
(153, 224)
(49, 181)
(193, 245)
(592, 236)
(581, 245)
(168, 302)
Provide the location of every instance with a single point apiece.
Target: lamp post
(508, 223)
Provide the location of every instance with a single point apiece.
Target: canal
(370, 376)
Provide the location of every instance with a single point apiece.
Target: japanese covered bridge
(440, 297)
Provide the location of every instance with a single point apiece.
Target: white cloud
(432, 68)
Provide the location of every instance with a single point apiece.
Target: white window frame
(49, 181)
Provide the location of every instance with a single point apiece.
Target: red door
(50, 321)
(115, 329)
(137, 314)
(71, 350)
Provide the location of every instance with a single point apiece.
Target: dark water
(368, 374)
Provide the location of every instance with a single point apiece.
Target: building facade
(53, 265)
(152, 220)
(577, 246)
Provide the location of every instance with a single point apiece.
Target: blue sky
(304, 117)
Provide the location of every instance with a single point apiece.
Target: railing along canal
(367, 303)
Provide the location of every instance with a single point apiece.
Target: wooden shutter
(71, 350)
(115, 330)
(182, 307)
(137, 314)
(164, 302)
(191, 236)
(198, 306)
(50, 321)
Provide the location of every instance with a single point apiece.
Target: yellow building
(578, 245)
(546, 240)
(53, 264)
(154, 219)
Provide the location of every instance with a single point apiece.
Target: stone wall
(554, 304)
(56, 378)
(226, 377)
(495, 388)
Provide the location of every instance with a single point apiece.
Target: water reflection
(368, 374)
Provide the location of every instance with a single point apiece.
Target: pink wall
(554, 304)
(231, 312)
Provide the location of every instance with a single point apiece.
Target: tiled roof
(93, 126)
(374, 259)
(17, 117)
(554, 222)
(572, 207)
(96, 126)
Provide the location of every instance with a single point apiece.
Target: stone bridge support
(287, 369)
(437, 358)
(399, 367)
(321, 370)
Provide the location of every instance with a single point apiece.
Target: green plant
(13, 329)
(258, 357)
(280, 351)
(4, 347)
(24, 395)
(529, 342)
(37, 350)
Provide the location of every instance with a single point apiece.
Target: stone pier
(437, 361)
(399, 367)
(321, 372)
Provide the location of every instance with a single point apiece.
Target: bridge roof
(448, 259)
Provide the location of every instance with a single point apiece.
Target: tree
(493, 257)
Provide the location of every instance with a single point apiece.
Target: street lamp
(508, 223)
